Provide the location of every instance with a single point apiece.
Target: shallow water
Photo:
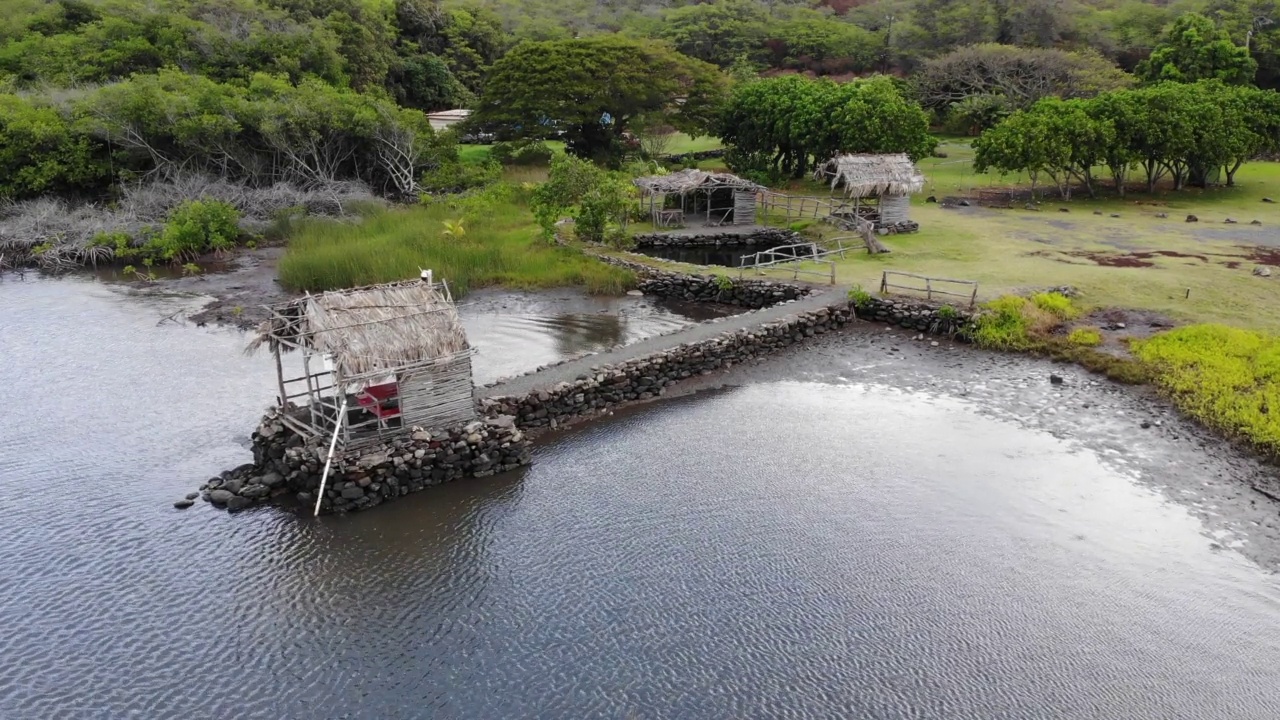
(828, 540)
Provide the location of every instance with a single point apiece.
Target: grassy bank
(1190, 272)
(487, 239)
(1227, 378)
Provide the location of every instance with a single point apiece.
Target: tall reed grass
(499, 245)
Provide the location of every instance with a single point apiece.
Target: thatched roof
(684, 181)
(369, 330)
(864, 175)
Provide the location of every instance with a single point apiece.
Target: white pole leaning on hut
(337, 428)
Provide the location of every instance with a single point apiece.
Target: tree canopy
(785, 124)
(1195, 49)
(1188, 133)
(591, 89)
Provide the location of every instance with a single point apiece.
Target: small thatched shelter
(880, 185)
(394, 355)
(687, 194)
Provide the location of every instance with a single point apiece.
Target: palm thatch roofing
(691, 179)
(370, 330)
(865, 175)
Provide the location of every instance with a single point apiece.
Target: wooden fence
(930, 286)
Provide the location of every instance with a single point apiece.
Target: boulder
(1056, 379)
(1192, 218)
(184, 503)
(220, 497)
(1230, 221)
(238, 503)
(1262, 271)
(352, 492)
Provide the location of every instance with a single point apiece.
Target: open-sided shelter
(395, 356)
(879, 185)
(693, 195)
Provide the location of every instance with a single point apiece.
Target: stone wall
(285, 465)
(693, 156)
(763, 236)
(914, 315)
(725, 289)
(644, 378)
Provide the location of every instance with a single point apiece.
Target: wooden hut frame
(377, 361)
(688, 185)
(879, 185)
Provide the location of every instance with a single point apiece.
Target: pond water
(728, 256)
(844, 534)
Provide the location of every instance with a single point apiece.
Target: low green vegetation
(1225, 377)
(1085, 337)
(500, 245)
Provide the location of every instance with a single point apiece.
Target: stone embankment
(286, 466)
(606, 387)
(693, 156)
(723, 289)
(931, 318)
(759, 236)
(905, 226)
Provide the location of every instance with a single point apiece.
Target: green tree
(591, 89)
(1195, 49)
(42, 151)
(719, 32)
(784, 124)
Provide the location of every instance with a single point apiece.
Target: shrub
(521, 152)
(1225, 377)
(1085, 337)
(946, 312)
(452, 177)
(859, 297)
(1056, 304)
(724, 282)
(196, 227)
(1003, 325)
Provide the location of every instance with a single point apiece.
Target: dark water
(783, 549)
(708, 255)
(517, 332)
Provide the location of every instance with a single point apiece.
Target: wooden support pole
(333, 444)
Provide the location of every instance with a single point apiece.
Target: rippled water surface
(783, 549)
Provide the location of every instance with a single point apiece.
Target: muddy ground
(239, 293)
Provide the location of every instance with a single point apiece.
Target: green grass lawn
(1013, 251)
(682, 143)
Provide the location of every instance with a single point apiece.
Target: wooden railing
(930, 286)
(774, 257)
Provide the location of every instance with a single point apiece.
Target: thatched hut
(377, 361)
(691, 195)
(879, 185)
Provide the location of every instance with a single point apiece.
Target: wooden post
(884, 282)
(833, 273)
(928, 289)
(280, 377)
(324, 478)
(973, 298)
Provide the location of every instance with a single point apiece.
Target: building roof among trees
(369, 330)
(864, 174)
(688, 180)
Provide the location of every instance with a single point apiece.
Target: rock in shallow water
(184, 503)
(238, 503)
(220, 496)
